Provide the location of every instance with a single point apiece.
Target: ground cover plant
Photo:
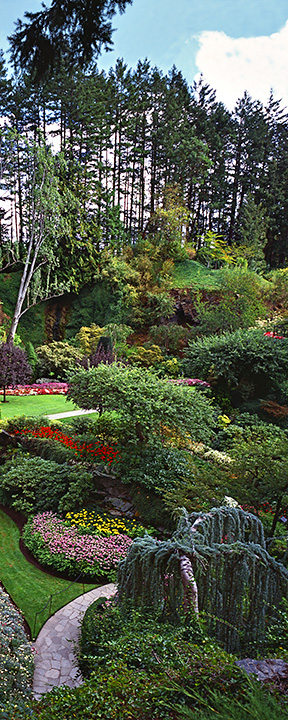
(72, 551)
(16, 656)
(29, 587)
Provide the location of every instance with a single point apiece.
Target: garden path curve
(55, 661)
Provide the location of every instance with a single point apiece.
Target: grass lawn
(33, 405)
(191, 274)
(29, 587)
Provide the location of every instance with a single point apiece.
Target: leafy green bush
(143, 401)
(244, 364)
(16, 657)
(278, 288)
(151, 508)
(237, 304)
(58, 358)
(31, 484)
(156, 467)
(16, 424)
(139, 355)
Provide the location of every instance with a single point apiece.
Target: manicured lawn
(33, 405)
(29, 587)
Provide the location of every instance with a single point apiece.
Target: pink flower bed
(73, 550)
(190, 381)
(51, 388)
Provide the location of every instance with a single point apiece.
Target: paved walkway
(70, 413)
(55, 661)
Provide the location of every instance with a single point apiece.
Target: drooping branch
(235, 580)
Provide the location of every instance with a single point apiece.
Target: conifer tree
(216, 562)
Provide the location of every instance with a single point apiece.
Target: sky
(237, 45)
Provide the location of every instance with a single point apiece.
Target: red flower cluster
(84, 451)
(272, 335)
(264, 508)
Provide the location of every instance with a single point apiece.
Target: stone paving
(55, 661)
(70, 413)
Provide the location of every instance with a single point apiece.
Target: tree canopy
(72, 29)
(146, 403)
(14, 367)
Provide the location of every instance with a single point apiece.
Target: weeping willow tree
(216, 562)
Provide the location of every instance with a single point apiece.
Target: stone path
(70, 413)
(55, 661)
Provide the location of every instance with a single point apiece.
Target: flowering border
(83, 451)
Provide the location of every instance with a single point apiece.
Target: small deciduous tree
(145, 402)
(42, 219)
(14, 367)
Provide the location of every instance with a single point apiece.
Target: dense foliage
(144, 402)
(217, 559)
(31, 484)
(241, 365)
(16, 656)
(14, 367)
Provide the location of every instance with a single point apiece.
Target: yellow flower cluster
(103, 524)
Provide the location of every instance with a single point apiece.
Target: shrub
(88, 337)
(31, 484)
(156, 467)
(143, 401)
(16, 657)
(278, 288)
(145, 356)
(245, 363)
(58, 358)
(151, 508)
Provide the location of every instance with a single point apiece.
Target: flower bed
(49, 388)
(194, 382)
(84, 451)
(68, 550)
(16, 657)
(105, 525)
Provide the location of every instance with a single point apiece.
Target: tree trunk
(189, 585)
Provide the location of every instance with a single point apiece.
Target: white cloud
(256, 64)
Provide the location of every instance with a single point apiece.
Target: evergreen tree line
(122, 137)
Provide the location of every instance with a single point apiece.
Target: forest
(144, 278)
